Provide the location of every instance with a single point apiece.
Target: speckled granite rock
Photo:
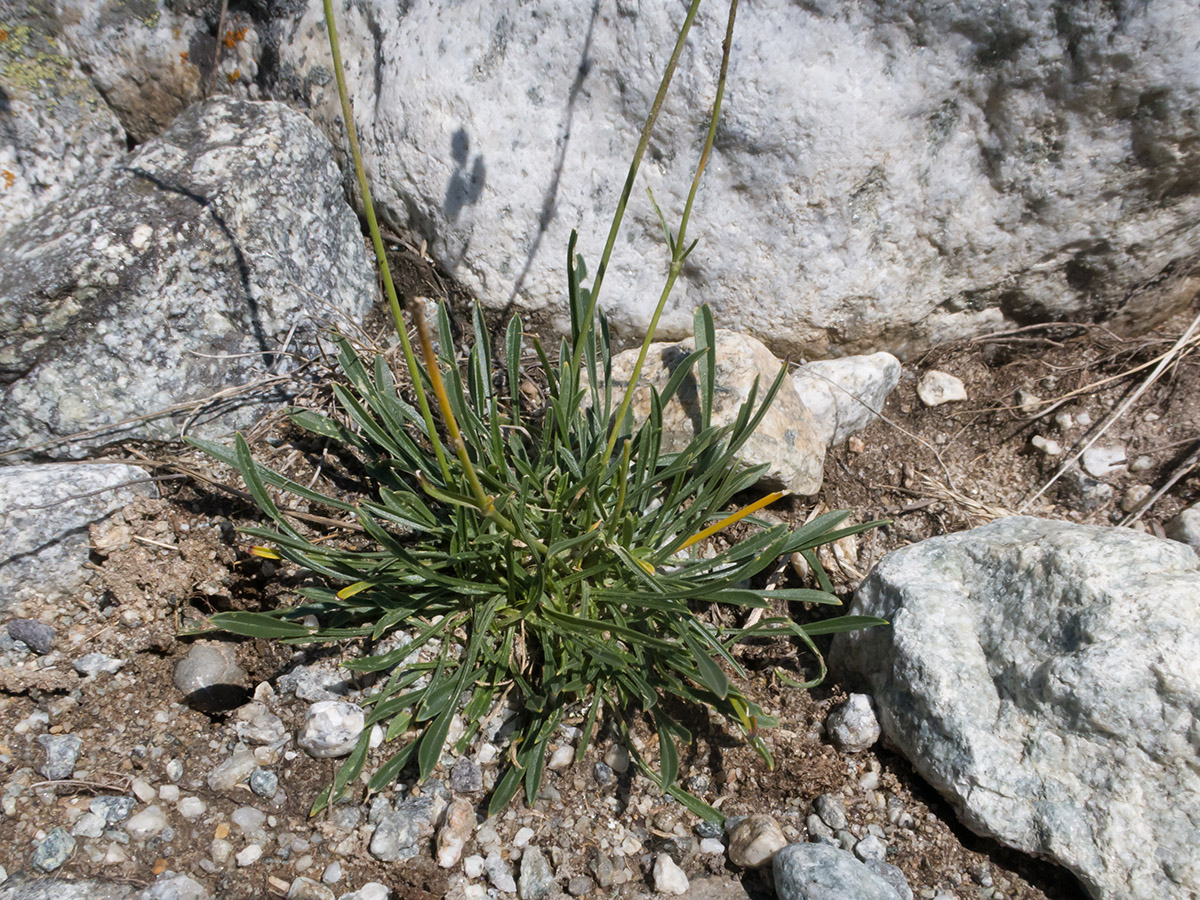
(176, 275)
(55, 123)
(1045, 677)
(44, 518)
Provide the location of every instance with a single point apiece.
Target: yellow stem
(733, 519)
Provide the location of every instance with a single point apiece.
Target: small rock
(561, 758)
(53, 850)
(1083, 418)
(712, 846)
(372, 890)
(248, 819)
(1141, 464)
(37, 636)
(61, 752)
(708, 830)
(455, 832)
(172, 886)
(1064, 420)
(147, 823)
(603, 774)
(255, 724)
(113, 809)
(143, 790)
(331, 729)
(1185, 527)
(233, 771)
(473, 866)
(399, 832)
(1046, 445)
(89, 825)
(191, 807)
(871, 847)
(1134, 496)
(1100, 462)
(617, 759)
(816, 828)
(333, 873)
(522, 838)
(249, 855)
(307, 889)
(1028, 402)
(536, 876)
(264, 782)
(498, 873)
(466, 777)
(580, 886)
(892, 876)
(831, 810)
(806, 872)
(210, 678)
(852, 726)
(936, 388)
(92, 664)
(754, 841)
(846, 395)
(668, 877)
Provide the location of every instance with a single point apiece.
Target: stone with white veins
(852, 725)
(935, 388)
(668, 877)
(45, 511)
(331, 729)
(821, 872)
(53, 850)
(965, 166)
(231, 772)
(786, 440)
(846, 395)
(1045, 678)
(61, 752)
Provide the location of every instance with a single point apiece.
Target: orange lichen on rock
(232, 37)
(9, 178)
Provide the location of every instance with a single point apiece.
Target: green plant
(547, 556)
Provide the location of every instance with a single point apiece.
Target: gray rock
(870, 849)
(820, 872)
(61, 752)
(498, 873)
(846, 395)
(400, 832)
(264, 782)
(147, 823)
(537, 878)
(372, 890)
(852, 725)
(1101, 461)
(113, 809)
(256, 724)
(466, 777)
(892, 875)
(228, 774)
(831, 810)
(20, 886)
(91, 664)
(580, 886)
(1043, 677)
(306, 889)
(172, 886)
(210, 678)
(786, 439)
(1185, 527)
(668, 877)
(56, 126)
(978, 200)
(175, 275)
(331, 729)
(38, 636)
(936, 388)
(316, 683)
(53, 850)
(45, 511)
(603, 773)
(754, 841)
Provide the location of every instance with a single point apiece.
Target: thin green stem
(679, 252)
(385, 271)
(619, 215)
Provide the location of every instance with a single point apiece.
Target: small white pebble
(1046, 445)
(191, 807)
(143, 791)
(333, 873)
(473, 866)
(561, 758)
(523, 837)
(668, 877)
(169, 793)
(249, 855)
(712, 845)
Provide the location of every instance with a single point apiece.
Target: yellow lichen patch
(232, 37)
(9, 178)
(183, 56)
(233, 76)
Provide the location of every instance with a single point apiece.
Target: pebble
(398, 834)
(168, 793)
(580, 886)
(264, 783)
(233, 771)
(473, 866)
(1141, 464)
(1083, 418)
(708, 830)
(522, 837)
(1101, 461)
(871, 847)
(1064, 420)
(146, 824)
(831, 810)
(143, 790)
(307, 889)
(1082, 493)
(817, 829)
(498, 873)
(61, 752)
(936, 388)
(1028, 402)
(852, 725)
(113, 809)
(92, 664)
(249, 855)
(537, 878)
(1185, 527)
(172, 886)
(331, 729)
(1046, 445)
(210, 678)
(255, 724)
(603, 774)
(455, 832)
(372, 890)
(248, 819)
(53, 850)
(89, 825)
(174, 770)
(333, 873)
(191, 807)
(466, 777)
(668, 877)
(712, 846)
(617, 759)
(1134, 496)
(561, 758)
(804, 872)
(754, 841)
(36, 635)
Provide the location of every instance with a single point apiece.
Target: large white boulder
(1045, 677)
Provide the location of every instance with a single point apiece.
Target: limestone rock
(45, 511)
(1044, 677)
(821, 872)
(331, 729)
(175, 275)
(936, 388)
(846, 395)
(787, 438)
(914, 171)
(754, 841)
(56, 126)
(1185, 527)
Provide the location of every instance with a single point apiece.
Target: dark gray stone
(113, 809)
(466, 777)
(61, 752)
(37, 636)
(53, 850)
